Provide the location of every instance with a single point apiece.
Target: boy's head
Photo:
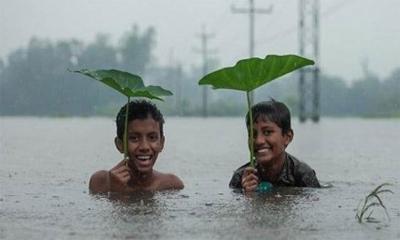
(145, 136)
(273, 111)
(138, 109)
(272, 132)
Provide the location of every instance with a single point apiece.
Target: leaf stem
(251, 140)
(126, 131)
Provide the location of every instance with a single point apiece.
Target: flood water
(45, 165)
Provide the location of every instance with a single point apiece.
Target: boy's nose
(144, 146)
(258, 139)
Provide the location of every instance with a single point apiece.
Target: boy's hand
(249, 179)
(119, 177)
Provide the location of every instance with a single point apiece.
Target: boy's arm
(176, 182)
(170, 181)
(236, 180)
(310, 179)
(249, 180)
(114, 180)
(99, 182)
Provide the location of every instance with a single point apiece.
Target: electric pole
(204, 37)
(309, 89)
(177, 72)
(251, 11)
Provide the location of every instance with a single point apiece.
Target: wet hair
(274, 111)
(138, 109)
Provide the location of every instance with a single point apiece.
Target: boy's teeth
(262, 150)
(143, 157)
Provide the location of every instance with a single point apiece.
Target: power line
(291, 30)
(204, 37)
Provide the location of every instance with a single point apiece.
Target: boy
(145, 141)
(272, 134)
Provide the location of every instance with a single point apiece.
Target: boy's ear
(288, 137)
(162, 140)
(119, 144)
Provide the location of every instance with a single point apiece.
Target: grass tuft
(371, 201)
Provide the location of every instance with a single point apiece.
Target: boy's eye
(133, 138)
(267, 132)
(153, 137)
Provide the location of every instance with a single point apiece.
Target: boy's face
(269, 142)
(144, 144)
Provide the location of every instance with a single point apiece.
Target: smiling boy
(145, 141)
(272, 134)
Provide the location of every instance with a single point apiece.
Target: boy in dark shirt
(272, 134)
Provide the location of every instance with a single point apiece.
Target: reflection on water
(277, 207)
(45, 164)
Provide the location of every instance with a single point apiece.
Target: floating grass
(371, 201)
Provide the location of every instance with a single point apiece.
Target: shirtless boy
(145, 141)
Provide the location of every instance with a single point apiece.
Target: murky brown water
(45, 165)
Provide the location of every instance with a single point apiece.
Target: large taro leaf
(152, 92)
(126, 83)
(249, 74)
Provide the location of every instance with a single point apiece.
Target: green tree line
(34, 81)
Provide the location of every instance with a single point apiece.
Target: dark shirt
(294, 173)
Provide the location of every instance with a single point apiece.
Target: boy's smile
(143, 161)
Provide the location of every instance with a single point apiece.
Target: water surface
(46, 163)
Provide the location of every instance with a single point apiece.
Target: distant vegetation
(35, 81)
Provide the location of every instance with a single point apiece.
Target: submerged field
(46, 163)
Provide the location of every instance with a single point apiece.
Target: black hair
(274, 111)
(138, 109)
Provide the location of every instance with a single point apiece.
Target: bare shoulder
(99, 182)
(168, 181)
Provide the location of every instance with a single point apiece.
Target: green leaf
(152, 92)
(126, 83)
(249, 74)
(121, 81)
(385, 191)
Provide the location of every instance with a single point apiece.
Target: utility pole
(309, 83)
(204, 36)
(251, 11)
(177, 72)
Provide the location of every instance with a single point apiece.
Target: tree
(35, 80)
(135, 50)
(390, 100)
(334, 94)
(32, 78)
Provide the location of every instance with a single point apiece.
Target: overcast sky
(352, 31)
